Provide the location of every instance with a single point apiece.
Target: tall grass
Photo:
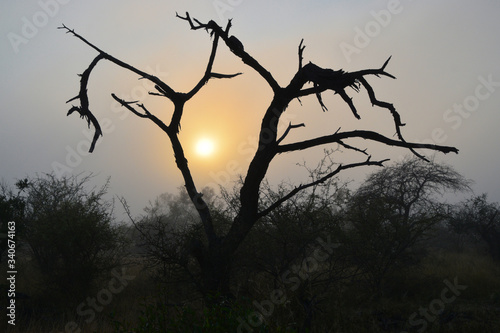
(349, 307)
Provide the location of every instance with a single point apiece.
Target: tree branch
(376, 72)
(83, 109)
(146, 113)
(395, 115)
(208, 71)
(178, 99)
(290, 126)
(367, 135)
(234, 45)
(337, 81)
(190, 21)
(224, 76)
(320, 99)
(349, 102)
(345, 145)
(301, 51)
(169, 92)
(128, 106)
(299, 188)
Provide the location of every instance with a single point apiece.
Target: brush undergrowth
(352, 308)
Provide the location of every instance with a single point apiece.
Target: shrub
(70, 234)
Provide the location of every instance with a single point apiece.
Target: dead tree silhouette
(215, 258)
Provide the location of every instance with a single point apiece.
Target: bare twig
(345, 145)
(301, 52)
(128, 106)
(290, 126)
(318, 181)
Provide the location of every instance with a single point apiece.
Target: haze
(444, 55)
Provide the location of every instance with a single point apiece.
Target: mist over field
(236, 166)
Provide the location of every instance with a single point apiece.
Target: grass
(352, 309)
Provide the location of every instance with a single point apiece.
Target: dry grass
(39, 313)
(351, 309)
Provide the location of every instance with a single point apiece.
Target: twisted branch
(83, 109)
(338, 81)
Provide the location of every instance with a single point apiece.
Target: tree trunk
(216, 275)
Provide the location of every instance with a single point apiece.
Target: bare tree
(394, 210)
(215, 257)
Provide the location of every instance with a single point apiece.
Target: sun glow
(205, 147)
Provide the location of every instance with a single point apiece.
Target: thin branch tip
(386, 62)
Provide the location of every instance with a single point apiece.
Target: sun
(205, 147)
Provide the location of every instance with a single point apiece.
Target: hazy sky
(445, 55)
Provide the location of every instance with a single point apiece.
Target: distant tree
(478, 219)
(70, 233)
(215, 255)
(11, 209)
(170, 226)
(393, 210)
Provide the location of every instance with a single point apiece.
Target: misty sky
(445, 55)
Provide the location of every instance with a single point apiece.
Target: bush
(393, 211)
(162, 317)
(478, 219)
(70, 234)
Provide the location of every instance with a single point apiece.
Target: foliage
(479, 219)
(70, 233)
(379, 228)
(11, 209)
(162, 317)
(167, 232)
(392, 211)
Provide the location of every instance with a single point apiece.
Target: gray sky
(445, 55)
